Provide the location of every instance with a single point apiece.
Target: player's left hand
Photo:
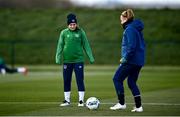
(91, 61)
(123, 60)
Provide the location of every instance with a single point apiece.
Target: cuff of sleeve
(58, 62)
(91, 61)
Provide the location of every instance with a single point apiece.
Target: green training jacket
(71, 45)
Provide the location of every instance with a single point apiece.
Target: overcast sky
(133, 3)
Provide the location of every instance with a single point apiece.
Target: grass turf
(41, 91)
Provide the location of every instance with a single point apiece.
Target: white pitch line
(108, 103)
(59, 73)
(155, 104)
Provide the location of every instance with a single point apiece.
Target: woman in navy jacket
(132, 60)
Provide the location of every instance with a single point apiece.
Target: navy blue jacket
(133, 45)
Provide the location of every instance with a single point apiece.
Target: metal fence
(107, 52)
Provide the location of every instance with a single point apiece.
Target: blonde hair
(129, 14)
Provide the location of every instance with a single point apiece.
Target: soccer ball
(92, 103)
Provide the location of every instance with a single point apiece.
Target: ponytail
(128, 13)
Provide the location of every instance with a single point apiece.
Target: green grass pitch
(41, 91)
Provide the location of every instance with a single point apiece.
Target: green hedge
(36, 32)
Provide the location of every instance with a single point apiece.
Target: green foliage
(102, 28)
(45, 24)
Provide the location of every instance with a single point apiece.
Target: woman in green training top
(72, 42)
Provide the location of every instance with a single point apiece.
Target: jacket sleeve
(87, 47)
(59, 49)
(131, 43)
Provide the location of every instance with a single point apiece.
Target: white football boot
(140, 109)
(3, 71)
(118, 106)
(65, 103)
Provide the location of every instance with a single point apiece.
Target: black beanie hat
(71, 18)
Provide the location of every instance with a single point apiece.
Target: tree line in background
(35, 3)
